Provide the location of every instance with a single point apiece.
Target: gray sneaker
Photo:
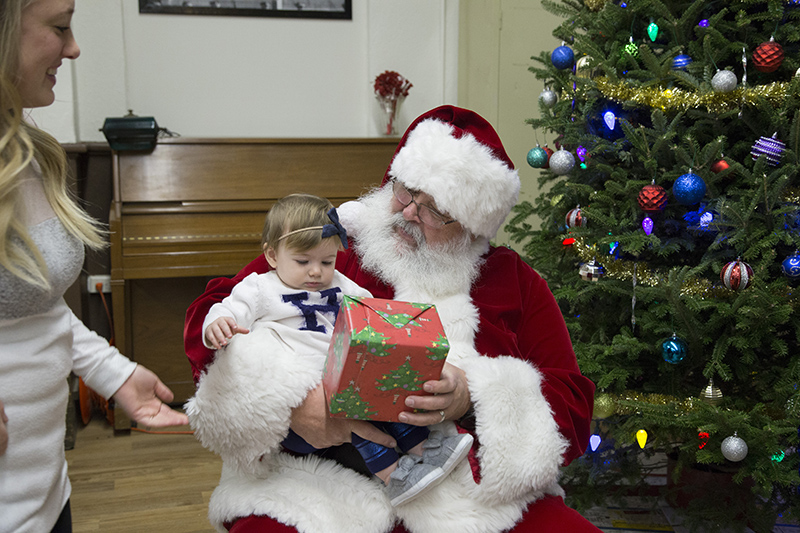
(411, 479)
(446, 452)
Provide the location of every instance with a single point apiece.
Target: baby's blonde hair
(296, 212)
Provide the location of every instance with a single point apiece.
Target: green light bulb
(652, 31)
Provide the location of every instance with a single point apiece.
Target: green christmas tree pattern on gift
(439, 348)
(404, 377)
(350, 402)
(376, 344)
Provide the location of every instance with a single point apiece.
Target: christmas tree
(669, 232)
(350, 402)
(404, 377)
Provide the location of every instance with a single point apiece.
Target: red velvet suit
(518, 317)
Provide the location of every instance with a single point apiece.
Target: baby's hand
(222, 329)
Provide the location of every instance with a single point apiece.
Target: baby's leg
(380, 460)
(409, 438)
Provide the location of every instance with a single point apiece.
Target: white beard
(426, 271)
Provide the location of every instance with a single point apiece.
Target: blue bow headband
(328, 230)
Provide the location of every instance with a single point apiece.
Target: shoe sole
(427, 482)
(459, 453)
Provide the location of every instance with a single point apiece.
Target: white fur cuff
(521, 447)
(243, 402)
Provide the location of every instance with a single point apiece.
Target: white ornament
(724, 81)
(734, 448)
(548, 98)
(561, 162)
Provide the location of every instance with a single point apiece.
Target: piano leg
(119, 293)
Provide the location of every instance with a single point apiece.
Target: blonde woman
(43, 233)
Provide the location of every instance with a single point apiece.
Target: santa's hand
(142, 396)
(450, 400)
(311, 422)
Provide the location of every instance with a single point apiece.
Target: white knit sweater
(41, 341)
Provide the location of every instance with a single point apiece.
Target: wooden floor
(139, 481)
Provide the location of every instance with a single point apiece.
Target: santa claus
(511, 380)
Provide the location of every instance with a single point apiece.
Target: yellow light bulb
(641, 437)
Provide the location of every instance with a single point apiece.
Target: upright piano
(193, 209)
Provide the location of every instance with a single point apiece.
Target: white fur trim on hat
(462, 175)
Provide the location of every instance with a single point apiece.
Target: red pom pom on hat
(456, 156)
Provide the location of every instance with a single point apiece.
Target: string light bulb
(641, 438)
(652, 31)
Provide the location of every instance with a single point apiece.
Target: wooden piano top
(195, 207)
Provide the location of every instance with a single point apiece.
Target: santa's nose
(411, 212)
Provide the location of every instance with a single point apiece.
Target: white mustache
(413, 230)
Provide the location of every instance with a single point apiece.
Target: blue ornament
(702, 220)
(791, 266)
(563, 57)
(674, 350)
(680, 62)
(537, 157)
(689, 189)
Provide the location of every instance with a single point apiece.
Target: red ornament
(719, 166)
(549, 153)
(768, 56)
(575, 218)
(569, 241)
(652, 198)
(736, 275)
(703, 436)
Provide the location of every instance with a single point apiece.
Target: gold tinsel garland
(594, 5)
(624, 270)
(792, 195)
(607, 404)
(680, 100)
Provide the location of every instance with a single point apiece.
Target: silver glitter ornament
(724, 81)
(734, 448)
(561, 162)
(548, 98)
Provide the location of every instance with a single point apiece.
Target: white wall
(203, 76)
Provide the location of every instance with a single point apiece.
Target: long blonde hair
(20, 144)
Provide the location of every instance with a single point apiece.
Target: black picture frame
(313, 9)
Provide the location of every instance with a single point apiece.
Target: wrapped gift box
(381, 352)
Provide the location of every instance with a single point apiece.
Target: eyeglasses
(428, 215)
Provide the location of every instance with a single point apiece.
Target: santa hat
(455, 156)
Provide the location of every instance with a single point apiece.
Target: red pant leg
(551, 515)
(548, 515)
(259, 524)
